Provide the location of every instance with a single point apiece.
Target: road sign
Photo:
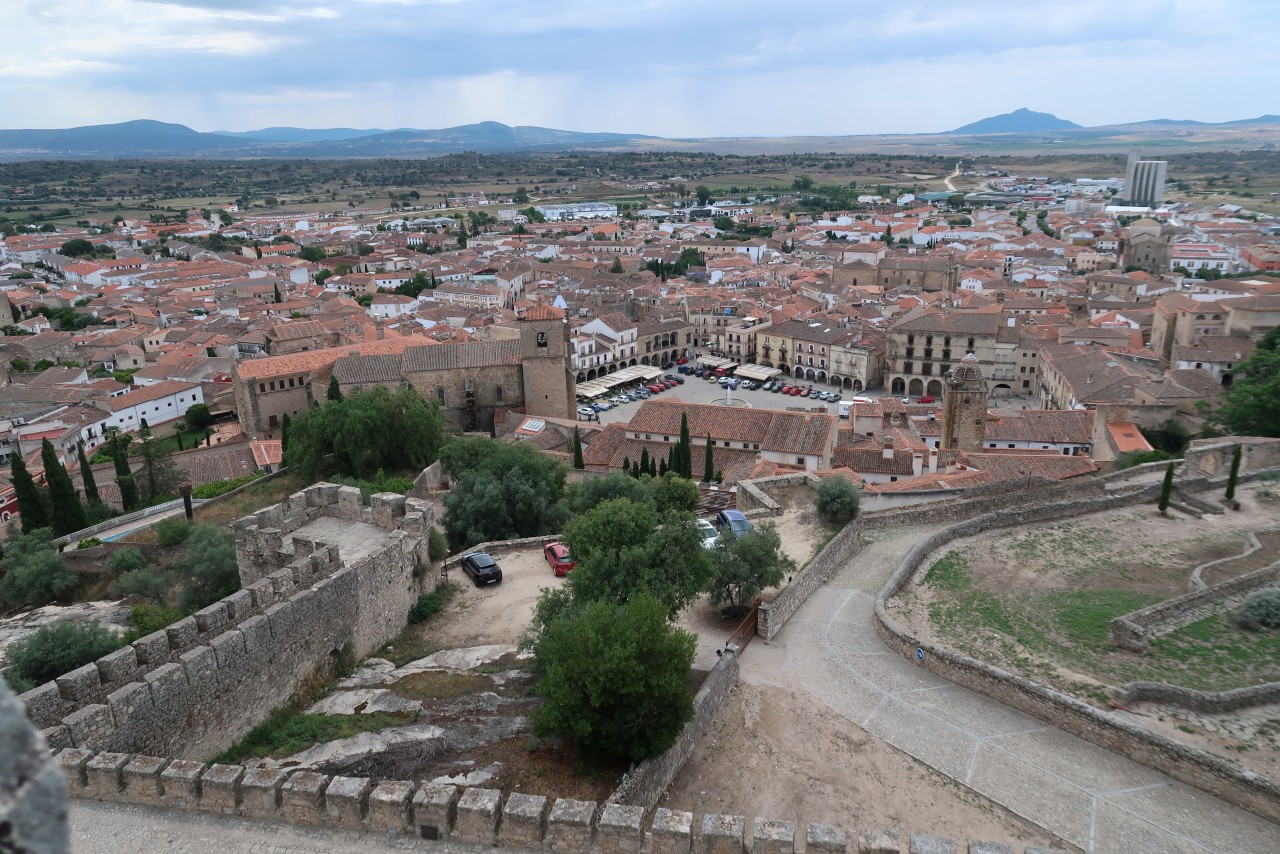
(920, 655)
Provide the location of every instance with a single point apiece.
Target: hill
(1019, 121)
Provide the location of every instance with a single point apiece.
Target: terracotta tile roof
(146, 393)
(788, 432)
(312, 360)
(470, 354)
(1126, 437)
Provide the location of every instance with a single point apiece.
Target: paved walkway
(1085, 795)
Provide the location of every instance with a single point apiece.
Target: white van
(845, 404)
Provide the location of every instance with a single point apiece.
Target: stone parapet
(570, 825)
(477, 816)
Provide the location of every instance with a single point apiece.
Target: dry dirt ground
(793, 759)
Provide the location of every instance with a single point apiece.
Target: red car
(557, 555)
(795, 392)
(682, 361)
(655, 388)
(928, 398)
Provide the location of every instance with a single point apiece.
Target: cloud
(655, 66)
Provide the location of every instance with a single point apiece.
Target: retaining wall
(472, 816)
(196, 687)
(843, 546)
(646, 785)
(1191, 766)
(1135, 630)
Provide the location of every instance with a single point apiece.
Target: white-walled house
(158, 404)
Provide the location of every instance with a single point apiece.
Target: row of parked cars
(641, 393)
(482, 569)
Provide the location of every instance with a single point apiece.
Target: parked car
(666, 366)
(928, 398)
(710, 536)
(481, 568)
(732, 523)
(683, 369)
(679, 380)
(682, 361)
(655, 388)
(797, 391)
(586, 411)
(777, 387)
(557, 555)
(642, 393)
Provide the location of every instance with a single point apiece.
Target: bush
(208, 567)
(173, 530)
(88, 543)
(837, 498)
(672, 492)
(125, 560)
(437, 544)
(222, 487)
(1261, 610)
(57, 649)
(1129, 459)
(629, 698)
(149, 582)
(430, 604)
(34, 571)
(150, 618)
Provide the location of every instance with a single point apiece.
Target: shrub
(1129, 459)
(125, 560)
(437, 544)
(672, 492)
(837, 498)
(88, 543)
(208, 567)
(150, 618)
(57, 649)
(222, 487)
(430, 604)
(173, 530)
(1261, 610)
(149, 582)
(34, 571)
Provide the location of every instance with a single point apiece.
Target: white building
(157, 404)
(577, 210)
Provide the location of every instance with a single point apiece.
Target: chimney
(933, 460)
(917, 463)
(886, 447)
(951, 465)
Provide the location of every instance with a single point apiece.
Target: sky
(676, 68)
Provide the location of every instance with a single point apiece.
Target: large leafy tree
(624, 549)
(587, 493)
(501, 491)
(626, 700)
(65, 510)
(31, 499)
(158, 475)
(744, 566)
(374, 429)
(1251, 405)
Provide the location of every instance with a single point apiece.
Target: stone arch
(935, 388)
(821, 376)
(582, 377)
(810, 375)
(632, 363)
(591, 374)
(613, 369)
(644, 360)
(857, 384)
(898, 386)
(1002, 390)
(916, 387)
(786, 370)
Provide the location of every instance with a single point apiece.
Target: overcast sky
(668, 67)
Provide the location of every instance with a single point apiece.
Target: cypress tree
(124, 476)
(644, 461)
(685, 458)
(144, 429)
(577, 450)
(277, 290)
(626, 464)
(284, 434)
(662, 468)
(1166, 489)
(334, 395)
(65, 510)
(1235, 473)
(709, 467)
(653, 466)
(31, 500)
(86, 475)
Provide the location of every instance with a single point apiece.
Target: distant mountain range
(1021, 120)
(1022, 128)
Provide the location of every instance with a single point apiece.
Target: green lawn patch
(439, 685)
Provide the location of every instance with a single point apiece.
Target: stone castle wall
(196, 687)
(472, 817)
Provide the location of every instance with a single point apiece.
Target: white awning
(713, 361)
(590, 389)
(757, 372)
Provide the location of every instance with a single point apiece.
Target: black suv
(482, 568)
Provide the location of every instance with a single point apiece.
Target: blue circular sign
(920, 655)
